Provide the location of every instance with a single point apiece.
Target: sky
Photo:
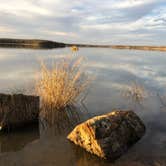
(141, 22)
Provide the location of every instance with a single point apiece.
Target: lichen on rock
(109, 136)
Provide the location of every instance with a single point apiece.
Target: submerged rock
(17, 110)
(109, 136)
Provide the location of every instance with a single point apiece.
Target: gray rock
(109, 136)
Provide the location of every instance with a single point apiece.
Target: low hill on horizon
(47, 44)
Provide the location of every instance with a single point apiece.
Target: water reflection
(114, 71)
(16, 140)
(61, 122)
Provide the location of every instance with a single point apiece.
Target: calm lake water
(114, 72)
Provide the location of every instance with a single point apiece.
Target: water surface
(114, 71)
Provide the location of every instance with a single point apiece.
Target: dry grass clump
(135, 93)
(74, 48)
(162, 100)
(61, 85)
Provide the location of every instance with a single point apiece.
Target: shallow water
(114, 71)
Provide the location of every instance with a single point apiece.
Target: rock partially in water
(17, 110)
(109, 136)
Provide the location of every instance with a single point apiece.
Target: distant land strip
(46, 44)
(30, 43)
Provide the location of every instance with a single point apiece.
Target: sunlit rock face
(109, 136)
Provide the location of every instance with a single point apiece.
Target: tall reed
(60, 86)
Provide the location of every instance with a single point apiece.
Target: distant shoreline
(30, 43)
(46, 44)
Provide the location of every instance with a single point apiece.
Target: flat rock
(109, 136)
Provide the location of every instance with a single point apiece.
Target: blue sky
(86, 21)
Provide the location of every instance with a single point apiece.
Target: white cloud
(5, 29)
(19, 7)
(131, 3)
(59, 33)
(111, 21)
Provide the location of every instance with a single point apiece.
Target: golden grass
(74, 48)
(61, 85)
(136, 93)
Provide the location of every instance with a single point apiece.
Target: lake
(113, 73)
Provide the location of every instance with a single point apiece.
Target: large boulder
(17, 110)
(109, 136)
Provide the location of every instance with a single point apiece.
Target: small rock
(109, 136)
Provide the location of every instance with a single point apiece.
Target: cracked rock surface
(109, 136)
